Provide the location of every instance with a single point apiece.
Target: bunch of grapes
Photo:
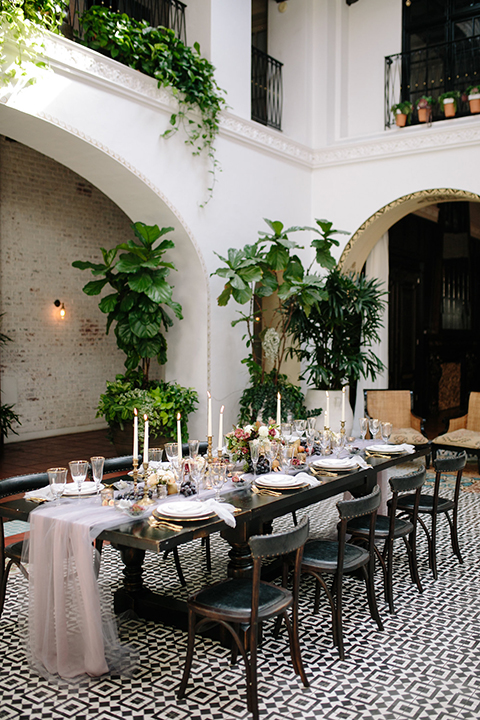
(188, 488)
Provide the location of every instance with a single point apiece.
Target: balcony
(167, 13)
(267, 92)
(432, 71)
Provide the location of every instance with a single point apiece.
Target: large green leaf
(123, 332)
(147, 234)
(159, 290)
(129, 263)
(94, 287)
(242, 296)
(129, 301)
(148, 347)
(94, 267)
(224, 296)
(108, 303)
(141, 326)
(277, 257)
(141, 282)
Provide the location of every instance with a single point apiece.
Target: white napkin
(43, 492)
(406, 448)
(360, 461)
(222, 509)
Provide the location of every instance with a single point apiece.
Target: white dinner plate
(336, 463)
(284, 482)
(187, 510)
(87, 488)
(386, 449)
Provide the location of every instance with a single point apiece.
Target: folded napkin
(43, 492)
(406, 448)
(222, 509)
(360, 461)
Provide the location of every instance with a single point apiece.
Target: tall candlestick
(145, 441)
(135, 434)
(179, 439)
(343, 404)
(220, 429)
(279, 409)
(327, 410)
(209, 415)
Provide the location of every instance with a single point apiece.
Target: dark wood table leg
(241, 564)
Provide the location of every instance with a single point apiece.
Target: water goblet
(97, 471)
(254, 453)
(310, 440)
(286, 431)
(386, 431)
(193, 446)
(363, 427)
(57, 477)
(312, 423)
(218, 475)
(198, 466)
(171, 451)
(78, 471)
(325, 441)
(287, 456)
(335, 442)
(374, 427)
(299, 427)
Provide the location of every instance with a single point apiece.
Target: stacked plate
(281, 482)
(386, 449)
(87, 488)
(337, 464)
(183, 510)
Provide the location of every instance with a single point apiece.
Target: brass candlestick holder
(135, 475)
(209, 450)
(342, 427)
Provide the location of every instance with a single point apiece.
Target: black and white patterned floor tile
(425, 665)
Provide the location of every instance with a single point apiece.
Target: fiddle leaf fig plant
(141, 300)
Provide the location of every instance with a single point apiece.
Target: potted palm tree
(402, 112)
(448, 100)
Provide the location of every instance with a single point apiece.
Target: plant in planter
(8, 417)
(402, 112)
(139, 305)
(473, 96)
(448, 100)
(424, 107)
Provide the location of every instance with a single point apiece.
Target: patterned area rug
(424, 665)
(470, 478)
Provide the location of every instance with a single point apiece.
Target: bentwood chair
(240, 605)
(390, 528)
(395, 406)
(328, 557)
(12, 554)
(435, 505)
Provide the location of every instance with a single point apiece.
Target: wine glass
(197, 470)
(299, 426)
(254, 452)
(363, 427)
(287, 456)
(325, 441)
(310, 440)
(312, 423)
(218, 475)
(286, 431)
(57, 477)
(97, 471)
(193, 446)
(171, 451)
(374, 427)
(78, 471)
(336, 440)
(386, 431)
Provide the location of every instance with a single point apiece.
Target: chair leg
(454, 534)
(432, 547)
(189, 657)
(3, 583)
(208, 556)
(372, 600)
(294, 643)
(411, 545)
(252, 689)
(389, 577)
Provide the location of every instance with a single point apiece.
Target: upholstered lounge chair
(395, 406)
(464, 432)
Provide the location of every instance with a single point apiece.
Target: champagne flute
(363, 427)
(386, 431)
(374, 427)
(97, 471)
(254, 452)
(57, 478)
(78, 471)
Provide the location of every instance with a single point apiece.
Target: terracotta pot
(474, 101)
(449, 107)
(123, 440)
(423, 114)
(400, 119)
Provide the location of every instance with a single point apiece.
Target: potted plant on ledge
(139, 306)
(473, 96)
(424, 107)
(448, 100)
(402, 112)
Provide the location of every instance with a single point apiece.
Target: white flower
(263, 431)
(248, 429)
(270, 344)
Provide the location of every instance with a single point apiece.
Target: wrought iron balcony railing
(432, 71)
(167, 13)
(267, 97)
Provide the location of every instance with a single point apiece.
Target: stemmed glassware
(97, 471)
(171, 451)
(78, 471)
(310, 440)
(155, 455)
(363, 427)
(193, 446)
(325, 441)
(57, 477)
(386, 431)
(299, 427)
(312, 423)
(374, 427)
(218, 474)
(286, 431)
(254, 453)
(197, 470)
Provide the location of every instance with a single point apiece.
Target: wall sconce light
(282, 6)
(57, 303)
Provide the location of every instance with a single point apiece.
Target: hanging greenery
(157, 52)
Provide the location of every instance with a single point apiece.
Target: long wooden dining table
(255, 511)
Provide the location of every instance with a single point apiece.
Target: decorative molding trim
(422, 198)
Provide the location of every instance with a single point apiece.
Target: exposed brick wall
(49, 217)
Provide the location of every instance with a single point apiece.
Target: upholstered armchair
(463, 432)
(395, 406)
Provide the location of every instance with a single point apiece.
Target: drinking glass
(287, 456)
(312, 423)
(310, 440)
(363, 427)
(374, 427)
(57, 477)
(198, 466)
(336, 440)
(325, 441)
(386, 431)
(286, 430)
(193, 446)
(254, 452)
(97, 471)
(155, 455)
(78, 471)
(171, 450)
(299, 426)
(218, 475)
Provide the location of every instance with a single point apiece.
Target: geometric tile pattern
(425, 664)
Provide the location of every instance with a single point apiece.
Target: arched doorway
(433, 319)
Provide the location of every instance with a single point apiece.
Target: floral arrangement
(238, 440)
